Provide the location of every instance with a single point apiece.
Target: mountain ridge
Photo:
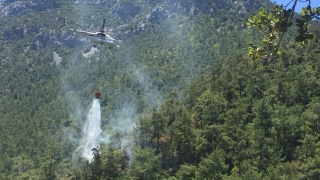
(180, 99)
(138, 15)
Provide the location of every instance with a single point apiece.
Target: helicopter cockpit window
(101, 34)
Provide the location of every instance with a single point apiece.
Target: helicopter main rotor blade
(121, 30)
(102, 28)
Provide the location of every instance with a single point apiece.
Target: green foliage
(213, 166)
(200, 110)
(250, 128)
(144, 165)
(186, 172)
(275, 24)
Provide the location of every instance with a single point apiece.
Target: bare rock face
(45, 39)
(20, 8)
(127, 11)
(162, 9)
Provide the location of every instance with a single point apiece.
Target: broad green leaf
(251, 18)
(262, 11)
(258, 19)
(304, 10)
(265, 40)
(314, 11)
(260, 27)
(309, 25)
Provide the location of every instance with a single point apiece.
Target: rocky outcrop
(162, 9)
(44, 39)
(127, 11)
(20, 8)
(19, 32)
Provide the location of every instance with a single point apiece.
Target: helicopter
(97, 38)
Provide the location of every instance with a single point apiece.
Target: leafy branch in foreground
(275, 24)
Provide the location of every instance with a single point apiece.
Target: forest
(180, 98)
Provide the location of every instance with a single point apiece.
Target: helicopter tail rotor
(64, 23)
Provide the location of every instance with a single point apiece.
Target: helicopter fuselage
(98, 38)
(106, 40)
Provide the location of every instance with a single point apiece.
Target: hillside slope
(48, 75)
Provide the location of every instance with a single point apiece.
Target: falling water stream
(91, 131)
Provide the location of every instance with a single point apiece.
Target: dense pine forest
(180, 97)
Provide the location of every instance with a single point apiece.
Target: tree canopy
(179, 99)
